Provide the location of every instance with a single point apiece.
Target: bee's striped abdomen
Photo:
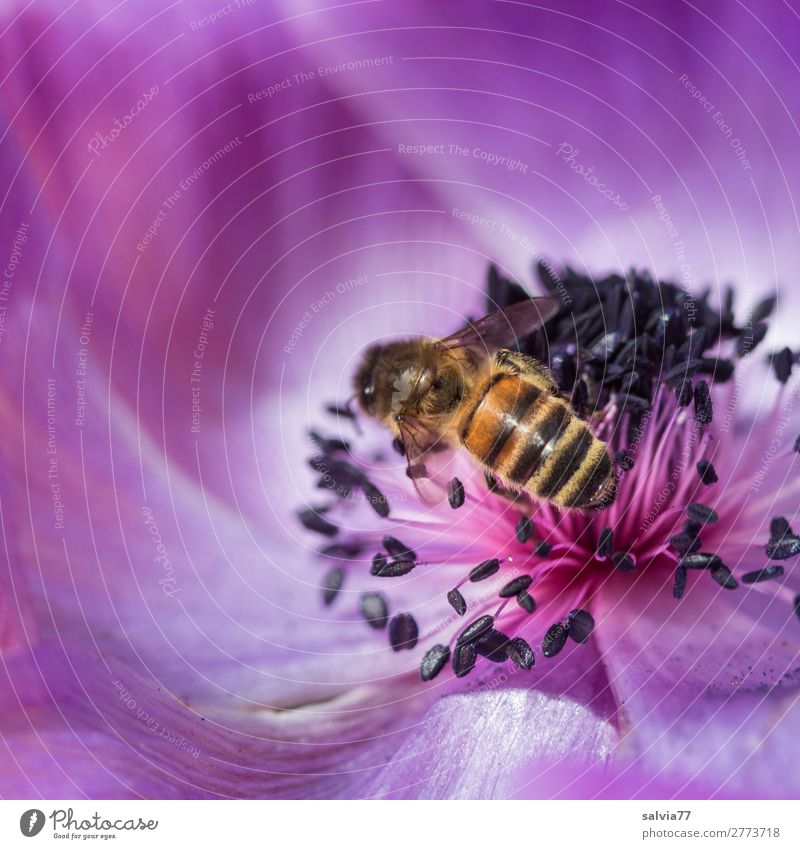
(562, 477)
(494, 415)
(537, 439)
(533, 441)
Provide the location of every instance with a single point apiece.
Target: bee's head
(395, 377)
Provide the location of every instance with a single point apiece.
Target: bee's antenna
(346, 411)
(352, 413)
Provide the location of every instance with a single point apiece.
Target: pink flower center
(493, 571)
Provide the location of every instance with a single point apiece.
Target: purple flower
(207, 217)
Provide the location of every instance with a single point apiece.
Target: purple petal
(316, 194)
(707, 686)
(623, 90)
(473, 745)
(89, 726)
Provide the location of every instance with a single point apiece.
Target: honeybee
(467, 391)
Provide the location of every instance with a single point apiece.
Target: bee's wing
(426, 456)
(498, 329)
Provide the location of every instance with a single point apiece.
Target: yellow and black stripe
(533, 441)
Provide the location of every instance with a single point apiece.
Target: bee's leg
(528, 367)
(516, 496)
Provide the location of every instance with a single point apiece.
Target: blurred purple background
(182, 184)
